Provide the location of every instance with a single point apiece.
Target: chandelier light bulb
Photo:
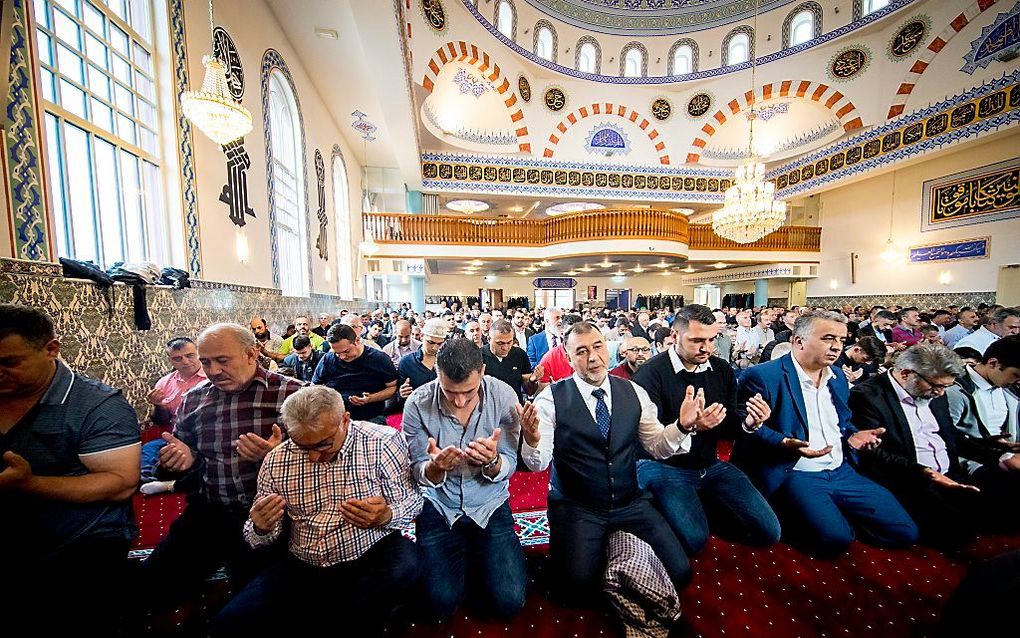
(213, 110)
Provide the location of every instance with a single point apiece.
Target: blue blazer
(761, 454)
(538, 345)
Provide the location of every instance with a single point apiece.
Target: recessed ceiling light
(467, 206)
(665, 273)
(477, 262)
(719, 265)
(689, 270)
(683, 211)
(618, 273)
(586, 268)
(641, 206)
(572, 207)
(327, 34)
(606, 264)
(523, 272)
(516, 209)
(570, 273)
(662, 264)
(545, 264)
(637, 268)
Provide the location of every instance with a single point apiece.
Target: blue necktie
(601, 412)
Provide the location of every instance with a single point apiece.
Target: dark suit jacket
(761, 454)
(894, 463)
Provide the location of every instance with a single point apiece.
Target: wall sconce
(241, 246)
(833, 284)
(945, 277)
(327, 274)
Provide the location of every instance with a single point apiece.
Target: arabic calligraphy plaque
(429, 170)
(445, 171)
(661, 109)
(224, 49)
(991, 104)
(822, 166)
(913, 133)
(614, 180)
(872, 148)
(849, 63)
(460, 172)
(853, 155)
(836, 161)
(976, 248)
(891, 142)
(555, 99)
(984, 194)
(962, 115)
(699, 105)
(807, 172)
(907, 38)
(936, 124)
(434, 14)
(524, 88)
(782, 181)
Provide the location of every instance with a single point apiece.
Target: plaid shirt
(373, 461)
(210, 422)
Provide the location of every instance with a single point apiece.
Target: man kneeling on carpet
(345, 487)
(462, 431)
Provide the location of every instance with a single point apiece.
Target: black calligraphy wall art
(848, 63)
(908, 38)
(235, 192)
(322, 241)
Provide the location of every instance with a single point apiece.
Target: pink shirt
(902, 335)
(928, 445)
(174, 388)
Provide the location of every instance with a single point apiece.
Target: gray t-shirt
(77, 416)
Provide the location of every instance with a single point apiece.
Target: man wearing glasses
(635, 351)
(346, 488)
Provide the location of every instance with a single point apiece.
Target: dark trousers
(78, 591)
(944, 516)
(819, 507)
(578, 536)
(353, 598)
(490, 558)
(204, 537)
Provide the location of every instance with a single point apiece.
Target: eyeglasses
(639, 350)
(934, 386)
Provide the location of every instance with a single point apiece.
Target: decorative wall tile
(185, 152)
(923, 301)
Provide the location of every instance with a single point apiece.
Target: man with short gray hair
(918, 460)
(1000, 323)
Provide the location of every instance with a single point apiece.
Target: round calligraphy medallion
(661, 109)
(434, 14)
(555, 99)
(848, 63)
(224, 49)
(524, 88)
(908, 38)
(699, 105)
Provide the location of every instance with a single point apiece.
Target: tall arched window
(342, 207)
(683, 57)
(870, 6)
(634, 61)
(803, 24)
(506, 18)
(589, 55)
(545, 41)
(738, 46)
(288, 184)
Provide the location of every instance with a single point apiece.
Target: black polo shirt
(370, 372)
(411, 368)
(510, 369)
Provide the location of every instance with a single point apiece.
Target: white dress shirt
(823, 422)
(521, 337)
(661, 442)
(924, 429)
(996, 408)
(953, 335)
(980, 339)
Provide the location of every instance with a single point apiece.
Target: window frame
(625, 56)
(512, 35)
(546, 26)
(814, 10)
(744, 30)
(671, 61)
(587, 40)
(342, 218)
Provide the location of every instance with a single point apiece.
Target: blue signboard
(555, 283)
(976, 248)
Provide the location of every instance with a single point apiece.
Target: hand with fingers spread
(267, 512)
(446, 459)
(944, 481)
(176, 455)
(484, 450)
(253, 448)
(803, 448)
(866, 439)
(529, 423)
(366, 513)
(758, 412)
(406, 389)
(359, 399)
(16, 473)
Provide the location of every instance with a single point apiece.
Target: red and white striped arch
(928, 54)
(467, 53)
(840, 105)
(607, 108)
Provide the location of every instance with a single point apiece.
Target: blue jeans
(491, 555)
(679, 494)
(817, 506)
(150, 458)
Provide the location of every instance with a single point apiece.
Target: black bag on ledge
(77, 269)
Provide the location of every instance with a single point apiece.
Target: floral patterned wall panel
(102, 342)
(919, 300)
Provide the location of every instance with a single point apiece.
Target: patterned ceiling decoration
(470, 54)
(999, 40)
(661, 108)
(976, 111)
(485, 138)
(470, 84)
(607, 139)
(607, 108)
(841, 106)
(434, 14)
(794, 143)
(555, 99)
(651, 17)
(848, 63)
(908, 37)
(928, 54)
(859, 22)
(475, 174)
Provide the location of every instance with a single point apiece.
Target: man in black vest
(601, 424)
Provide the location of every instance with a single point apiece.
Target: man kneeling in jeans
(462, 431)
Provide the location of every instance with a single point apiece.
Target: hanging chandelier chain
(212, 28)
(751, 51)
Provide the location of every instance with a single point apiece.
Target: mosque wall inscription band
(961, 250)
(988, 193)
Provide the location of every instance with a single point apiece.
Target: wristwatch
(491, 464)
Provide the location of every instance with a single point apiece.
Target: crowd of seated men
(844, 423)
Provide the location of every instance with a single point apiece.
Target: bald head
(635, 351)
(229, 356)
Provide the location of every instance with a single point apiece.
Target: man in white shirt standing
(601, 424)
(1000, 323)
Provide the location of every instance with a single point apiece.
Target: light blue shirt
(465, 491)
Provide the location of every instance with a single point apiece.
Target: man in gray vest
(601, 425)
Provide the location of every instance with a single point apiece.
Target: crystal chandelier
(213, 110)
(750, 210)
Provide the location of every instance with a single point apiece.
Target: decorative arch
(273, 61)
(555, 39)
(607, 108)
(926, 55)
(644, 57)
(672, 51)
(725, 52)
(816, 15)
(587, 39)
(841, 106)
(461, 51)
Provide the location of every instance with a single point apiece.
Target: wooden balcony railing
(398, 228)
